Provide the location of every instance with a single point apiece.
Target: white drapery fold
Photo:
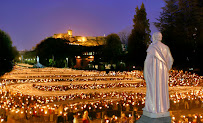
(157, 64)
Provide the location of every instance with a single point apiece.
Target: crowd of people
(98, 76)
(26, 106)
(86, 86)
(190, 118)
(181, 78)
(104, 105)
(186, 100)
(176, 78)
(78, 79)
(110, 103)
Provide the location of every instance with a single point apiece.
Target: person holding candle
(85, 118)
(75, 120)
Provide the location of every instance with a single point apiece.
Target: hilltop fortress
(80, 40)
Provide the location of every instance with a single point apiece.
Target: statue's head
(157, 36)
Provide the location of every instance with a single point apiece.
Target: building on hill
(91, 43)
(81, 40)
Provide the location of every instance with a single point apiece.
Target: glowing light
(78, 57)
(91, 57)
(84, 39)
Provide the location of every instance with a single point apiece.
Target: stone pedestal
(146, 119)
(38, 65)
(149, 117)
(156, 115)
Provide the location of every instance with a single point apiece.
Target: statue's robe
(156, 67)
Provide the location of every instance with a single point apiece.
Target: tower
(70, 33)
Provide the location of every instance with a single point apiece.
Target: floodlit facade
(81, 40)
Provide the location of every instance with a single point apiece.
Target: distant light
(83, 38)
(91, 57)
(78, 57)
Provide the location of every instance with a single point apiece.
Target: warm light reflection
(78, 57)
(91, 57)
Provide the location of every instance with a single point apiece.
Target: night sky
(30, 21)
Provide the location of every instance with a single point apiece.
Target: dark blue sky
(30, 21)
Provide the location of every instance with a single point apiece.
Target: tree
(139, 38)
(112, 49)
(57, 50)
(16, 54)
(181, 23)
(51, 48)
(168, 28)
(124, 35)
(30, 56)
(7, 53)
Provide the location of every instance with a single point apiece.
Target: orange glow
(84, 39)
(91, 57)
(78, 57)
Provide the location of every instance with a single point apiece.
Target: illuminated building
(81, 40)
(87, 57)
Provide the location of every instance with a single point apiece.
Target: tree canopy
(112, 49)
(181, 25)
(56, 50)
(139, 38)
(7, 53)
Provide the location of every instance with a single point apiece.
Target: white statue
(37, 59)
(156, 67)
(38, 65)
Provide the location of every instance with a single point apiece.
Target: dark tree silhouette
(7, 53)
(181, 25)
(139, 38)
(112, 49)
